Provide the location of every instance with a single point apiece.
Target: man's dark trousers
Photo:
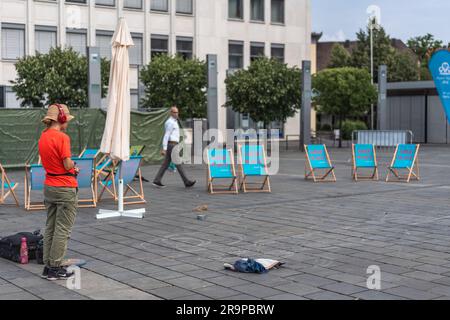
(166, 163)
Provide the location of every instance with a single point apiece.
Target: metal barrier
(382, 138)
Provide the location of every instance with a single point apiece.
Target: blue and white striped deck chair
(86, 180)
(252, 163)
(7, 187)
(220, 165)
(318, 160)
(129, 170)
(405, 158)
(34, 181)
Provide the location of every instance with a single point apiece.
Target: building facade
(237, 31)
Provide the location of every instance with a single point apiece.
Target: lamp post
(374, 13)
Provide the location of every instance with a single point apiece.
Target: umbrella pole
(120, 192)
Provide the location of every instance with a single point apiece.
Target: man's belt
(173, 142)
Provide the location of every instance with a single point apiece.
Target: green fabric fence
(20, 130)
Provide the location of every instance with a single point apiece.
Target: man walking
(170, 140)
(60, 190)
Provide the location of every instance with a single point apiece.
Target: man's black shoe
(59, 273)
(190, 184)
(44, 274)
(158, 184)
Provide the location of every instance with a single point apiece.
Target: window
(110, 3)
(11, 100)
(257, 10)
(160, 5)
(133, 4)
(2, 97)
(44, 38)
(160, 44)
(184, 6)
(235, 9)
(236, 55)
(184, 47)
(77, 1)
(256, 50)
(77, 40)
(103, 41)
(13, 41)
(277, 52)
(134, 99)
(135, 51)
(278, 11)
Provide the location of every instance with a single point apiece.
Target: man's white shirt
(172, 132)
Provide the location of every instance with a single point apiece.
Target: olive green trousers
(61, 204)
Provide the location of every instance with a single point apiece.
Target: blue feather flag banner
(440, 70)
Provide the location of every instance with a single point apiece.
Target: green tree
(401, 67)
(340, 57)
(344, 93)
(268, 91)
(383, 53)
(59, 76)
(423, 47)
(175, 81)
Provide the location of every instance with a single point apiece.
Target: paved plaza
(327, 235)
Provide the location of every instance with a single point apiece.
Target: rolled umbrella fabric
(116, 136)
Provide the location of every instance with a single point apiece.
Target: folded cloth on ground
(253, 265)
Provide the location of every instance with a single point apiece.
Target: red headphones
(62, 118)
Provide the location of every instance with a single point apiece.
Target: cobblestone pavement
(328, 234)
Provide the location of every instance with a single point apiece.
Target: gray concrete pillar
(94, 78)
(382, 120)
(305, 113)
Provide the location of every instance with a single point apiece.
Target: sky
(339, 20)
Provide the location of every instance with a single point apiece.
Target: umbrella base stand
(135, 213)
(105, 214)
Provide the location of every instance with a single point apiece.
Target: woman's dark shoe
(44, 274)
(59, 273)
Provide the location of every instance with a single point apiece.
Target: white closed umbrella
(116, 136)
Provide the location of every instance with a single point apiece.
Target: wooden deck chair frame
(104, 162)
(7, 187)
(88, 202)
(29, 205)
(223, 189)
(246, 186)
(310, 172)
(356, 176)
(412, 173)
(112, 190)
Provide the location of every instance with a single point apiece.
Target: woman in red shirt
(60, 189)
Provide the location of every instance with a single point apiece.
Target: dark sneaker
(58, 273)
(44, 274)
(158, 184)
(190, 184)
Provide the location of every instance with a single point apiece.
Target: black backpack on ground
(10, 246)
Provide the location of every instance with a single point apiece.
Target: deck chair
(364, 157)
(136, 150)
(220, 165)
(89, 153)
(318, 160)
(7, 187)
(34, 181)
(86, 180)
(252, 163)
(405, 158)
(129, 170)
